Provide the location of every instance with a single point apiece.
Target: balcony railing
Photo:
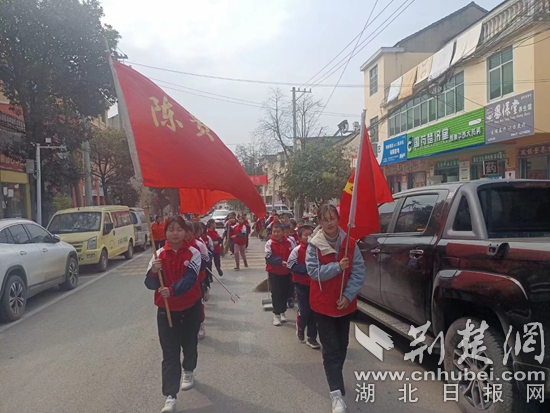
(511, 17)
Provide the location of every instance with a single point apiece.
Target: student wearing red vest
(277, 251)
(326, 265)
(239, 235)
(218, 241)
(203, 279)
(304, 316)
(180, 263)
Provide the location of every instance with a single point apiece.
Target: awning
(395, 89)
(408, 83)
(442, 61)
(424, 69)
(466, 44)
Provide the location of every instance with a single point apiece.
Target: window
(38, 235)
(134, 218)
(122, 219)
(501, 73)
(427, 108)
(75, 222)
(463, 220)
(373, 80)
(19, 234)
(415, 213)
(373, 130)
(5, 237)
(386, 212)
(516, 211)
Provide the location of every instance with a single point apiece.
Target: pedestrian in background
(277, 251)
(239, 236)
(180, 264)
(326, 264)
(248, 229)
(159, 236)
(218, 241)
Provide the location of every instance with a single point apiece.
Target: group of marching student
(318, 267)
(185, 259)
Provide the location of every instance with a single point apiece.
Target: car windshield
(516, 211)
(220, 214)
(75, 222)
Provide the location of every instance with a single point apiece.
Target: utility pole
(295, 127)
(39, 178)
(87, 166)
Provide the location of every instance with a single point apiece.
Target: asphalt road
(96, 350)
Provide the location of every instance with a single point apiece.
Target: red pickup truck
(476, 255)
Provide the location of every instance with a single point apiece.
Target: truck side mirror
(107, 228)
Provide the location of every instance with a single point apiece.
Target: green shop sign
(459, 132)
(496, 156)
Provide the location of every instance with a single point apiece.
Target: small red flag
(259, 179)
(176, 150)
(200, 201)
(372, 190)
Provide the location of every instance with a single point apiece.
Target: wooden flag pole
(353, 206)
(125, 121)
(153, 247)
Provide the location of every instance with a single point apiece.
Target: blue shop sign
(394, 150)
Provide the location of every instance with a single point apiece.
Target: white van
(142, 234)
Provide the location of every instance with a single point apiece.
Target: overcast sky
(285, 41)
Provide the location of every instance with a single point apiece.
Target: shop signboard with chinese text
(495, 156)
(10, 164)
(448, 164)
(542, 149)
(510, 118)
(394, 150)
(490, 168)
(456, 133)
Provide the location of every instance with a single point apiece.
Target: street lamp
(39, 177)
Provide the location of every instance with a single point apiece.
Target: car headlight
(92, 243)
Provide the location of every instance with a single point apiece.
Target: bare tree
(275, 127)
(251, 155)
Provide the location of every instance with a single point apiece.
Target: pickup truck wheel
(472, 391)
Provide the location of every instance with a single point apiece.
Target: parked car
(477, 251)
(219, 216)
(31, 260)
(141, 229)
(98, 233)
(281, 209)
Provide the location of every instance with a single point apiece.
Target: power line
(342, 51)
(347, 63)
(224, 98)
(365, 42)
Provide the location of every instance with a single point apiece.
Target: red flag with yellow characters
(174, 149)
(372, 189)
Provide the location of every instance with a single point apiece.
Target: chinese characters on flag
(173, 149)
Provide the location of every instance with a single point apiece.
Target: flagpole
(353, 206)
(126, 125)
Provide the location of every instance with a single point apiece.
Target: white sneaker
(202, 332)
(338, 405)
(169, 405)
(207, 295)
(283, 318)
(276, 320)
(187, 381)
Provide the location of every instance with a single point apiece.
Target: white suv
(31, 260)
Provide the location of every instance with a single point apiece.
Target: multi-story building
(274, 167)
(15, 192)
(473, 108)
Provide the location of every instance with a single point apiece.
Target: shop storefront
(394, 154)
(534, 161)
(14, 189)
(489, 165)
(447, 137)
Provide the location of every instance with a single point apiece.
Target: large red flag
(200, 201)
(175, 149)
(372, 189)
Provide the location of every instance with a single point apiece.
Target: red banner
(177, 150)
(199, 201)
(259, 179)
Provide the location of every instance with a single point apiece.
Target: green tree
(317, 173)
(54, 72)
(112, 165)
